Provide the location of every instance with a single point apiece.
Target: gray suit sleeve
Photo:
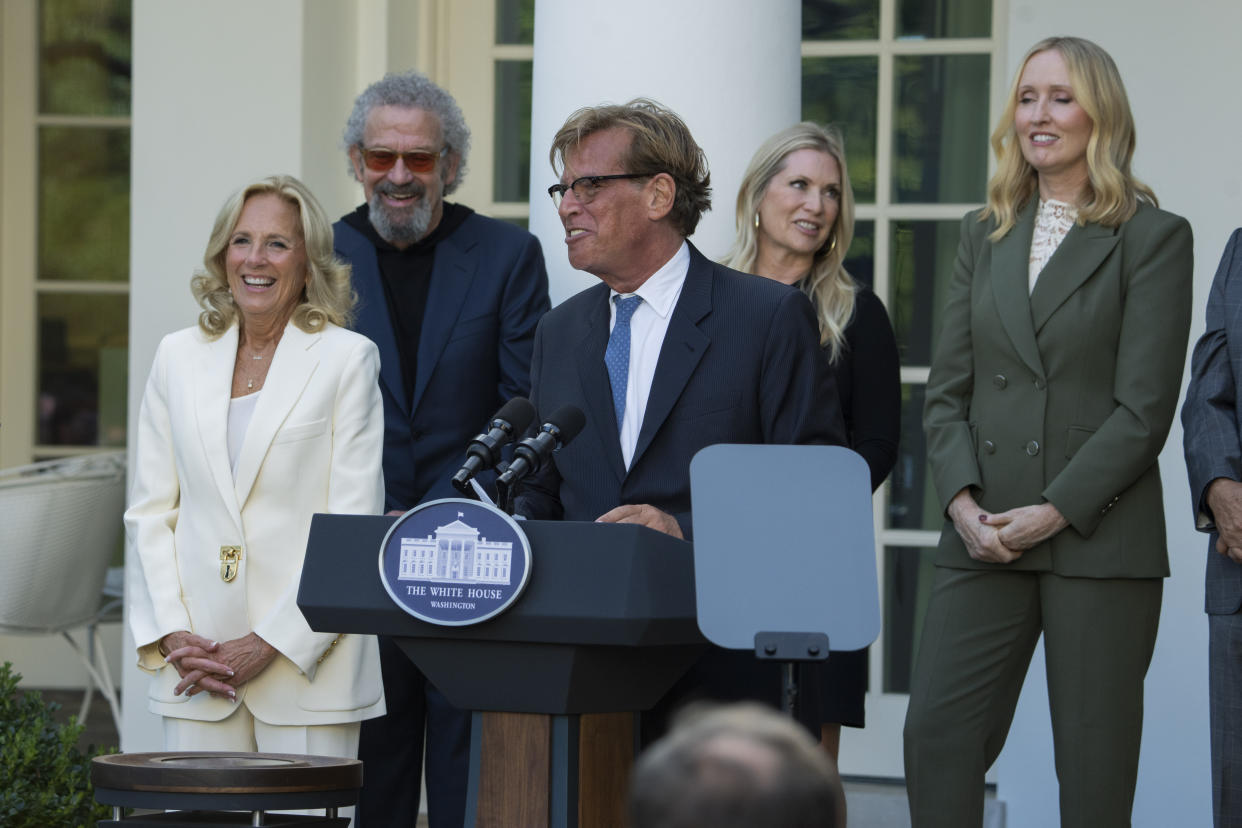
(1210, 416)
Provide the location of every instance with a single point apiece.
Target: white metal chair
(60, 521)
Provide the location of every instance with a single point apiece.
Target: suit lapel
(684, 345)
(213, 388)
(1075, 259)
(451, 275)
(1011, 286)
(292, 366)
(371, 313)
(596, 390)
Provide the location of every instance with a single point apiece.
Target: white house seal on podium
(454, 562)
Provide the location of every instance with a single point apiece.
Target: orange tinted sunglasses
(380, 159)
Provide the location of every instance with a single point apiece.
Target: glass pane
(82, 369)
(917, 19)
(511, 172)
(845, 92)
(840, 19)
(912, 502)
(84, 57)
(922, 253)
(940, 141)
(515, 21)
(84, 204)
(860, 258)
(907, 586)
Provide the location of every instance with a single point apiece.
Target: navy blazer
(740, 363)
(488, 290)
(1212, 440)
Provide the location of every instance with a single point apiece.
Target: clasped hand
(216, 667)
(1004, 536)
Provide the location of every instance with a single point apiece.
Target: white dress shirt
(647, 329)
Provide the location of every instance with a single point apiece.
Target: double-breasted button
(1032, 448)
(989, 447)
(999, 381)
(1040, 384)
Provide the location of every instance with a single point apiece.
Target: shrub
(44, 779)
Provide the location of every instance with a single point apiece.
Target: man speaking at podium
(669, 354)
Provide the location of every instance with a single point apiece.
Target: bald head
(742, 765)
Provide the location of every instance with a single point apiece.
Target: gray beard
(400, 226)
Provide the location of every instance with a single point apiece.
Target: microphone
(513, 418)
(532, 453)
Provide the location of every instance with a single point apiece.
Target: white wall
(1181, 66)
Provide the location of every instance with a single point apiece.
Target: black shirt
(868, 375)
(406, 276)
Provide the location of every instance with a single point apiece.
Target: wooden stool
(200, 788)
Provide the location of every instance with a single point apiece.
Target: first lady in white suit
(264, 413)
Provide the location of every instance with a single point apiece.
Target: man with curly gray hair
(451, 298)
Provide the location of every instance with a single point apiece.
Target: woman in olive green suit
(1051, 392)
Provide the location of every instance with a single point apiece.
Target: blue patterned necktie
(617, 355)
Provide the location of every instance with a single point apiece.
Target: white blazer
(314, 444)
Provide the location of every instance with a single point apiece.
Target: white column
(730, 68)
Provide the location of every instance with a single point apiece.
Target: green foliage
(44, 778)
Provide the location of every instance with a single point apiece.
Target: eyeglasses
(587, 187)
(379, 159)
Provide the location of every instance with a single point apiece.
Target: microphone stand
(504, 492)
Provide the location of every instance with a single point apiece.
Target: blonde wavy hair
(829, 286)
(328, 295)
(1113, 193)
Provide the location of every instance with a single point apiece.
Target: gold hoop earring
(756, 219)
(833, 244)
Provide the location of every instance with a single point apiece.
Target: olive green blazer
(1064, 394)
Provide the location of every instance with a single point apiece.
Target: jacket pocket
(300, 431)
(723, 401)
(474, 326)
(1075, 436)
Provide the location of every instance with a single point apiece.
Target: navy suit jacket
(1210, 418)
(740, 363)
(488, 290)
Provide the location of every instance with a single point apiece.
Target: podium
(606, 625)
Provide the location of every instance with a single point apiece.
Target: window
(909, 83)
(489, 71)
(65, 265)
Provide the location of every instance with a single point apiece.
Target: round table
(202, 787)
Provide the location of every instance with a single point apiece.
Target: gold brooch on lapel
(230, 562)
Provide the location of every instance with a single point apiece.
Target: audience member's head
(740, 765)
